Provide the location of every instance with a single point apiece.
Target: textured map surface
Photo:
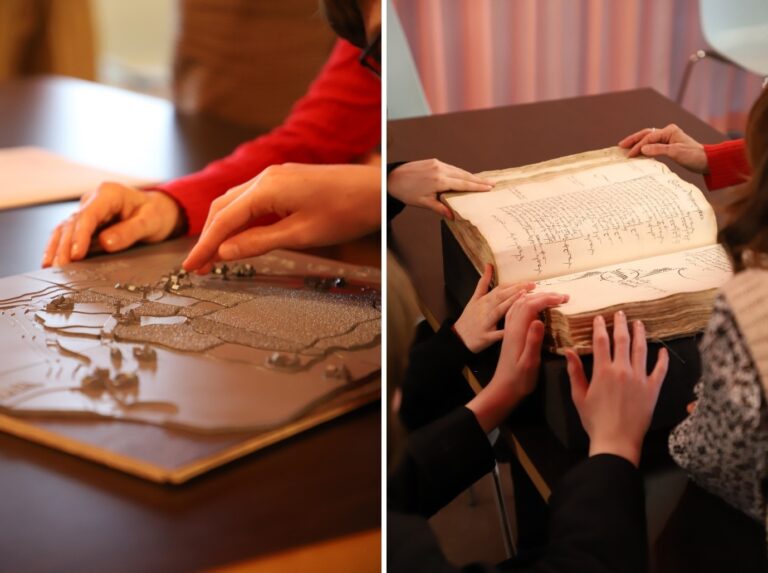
(250, 346)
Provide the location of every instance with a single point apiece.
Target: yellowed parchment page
(653, 278)
(583, 212)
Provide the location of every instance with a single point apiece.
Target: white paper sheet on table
(30, 175)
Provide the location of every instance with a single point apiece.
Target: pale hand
(616, 407)
(671, 142)
(518, 368)
(477, 325)
(318, 205)
(148, 216)
(419, 183)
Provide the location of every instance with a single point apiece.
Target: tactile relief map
(250, 346)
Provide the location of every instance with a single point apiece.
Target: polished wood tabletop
(60, 513)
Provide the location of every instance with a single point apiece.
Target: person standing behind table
(300, 181)
(723, 444)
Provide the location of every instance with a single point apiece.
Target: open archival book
(612, 232)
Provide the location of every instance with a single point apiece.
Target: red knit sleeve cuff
(727, 163)
(195, 206)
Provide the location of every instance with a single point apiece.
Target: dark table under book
(64, 513)
(544, 436)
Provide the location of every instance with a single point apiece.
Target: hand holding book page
(670, 141)
(582, 212)
(419, 183)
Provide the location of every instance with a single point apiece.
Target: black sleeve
(394, 206)
(434, 385)
(440, 461)
(413, 548)
(597, 519)
(597, 525)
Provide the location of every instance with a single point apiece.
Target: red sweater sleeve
(337, 121)
(727, 163)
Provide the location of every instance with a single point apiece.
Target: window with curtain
(484, 53)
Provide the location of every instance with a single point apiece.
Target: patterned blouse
(723, 445)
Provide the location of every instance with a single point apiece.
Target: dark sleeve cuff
(452, 343)
(728, 164)
(434, 385)
(394, 206)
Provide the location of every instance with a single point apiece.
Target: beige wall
(135, 43)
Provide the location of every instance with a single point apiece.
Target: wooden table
(508, 137)
(60, 513)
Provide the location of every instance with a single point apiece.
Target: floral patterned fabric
(724, 444)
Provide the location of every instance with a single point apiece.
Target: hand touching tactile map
(130, 338)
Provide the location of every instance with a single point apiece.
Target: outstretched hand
(616, 407)
(316, 205)
(478, 324)
(671, 142)
(419, 183)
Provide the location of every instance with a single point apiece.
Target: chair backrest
(738, 29)
(405, 94)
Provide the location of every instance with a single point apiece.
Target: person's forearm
(597, 519)
(394, 205)
(440, 461)
(493, 405)
(338, 121)
(434, 384)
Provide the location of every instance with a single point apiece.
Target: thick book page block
(579, 213)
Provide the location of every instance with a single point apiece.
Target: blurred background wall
(245, 61)
(135, 43)
(482, 53)
(46, 36)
